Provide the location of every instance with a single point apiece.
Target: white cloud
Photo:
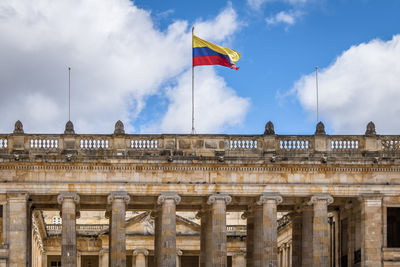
(288, 18)
(257, 4)
(363, 84)
(117, 55)
(216, 105)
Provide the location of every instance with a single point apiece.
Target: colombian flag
(206, 53)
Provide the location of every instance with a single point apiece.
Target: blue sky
(354, 43)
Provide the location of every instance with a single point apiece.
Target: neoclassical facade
(199, 200)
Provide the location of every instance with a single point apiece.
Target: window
(55, 263)
(56, 220)
(393, 227)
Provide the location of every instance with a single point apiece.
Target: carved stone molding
(317, 197)
(17, 195)
(143, 251)
(268, 196)
(179, 252)
(119, 128)
(370, 129)
(68, 195)
(320, 129)
(248, 213)
(213, 198)
(69, 128)
(269, 128)
(118, 195)
(168, 195)
(18, 127)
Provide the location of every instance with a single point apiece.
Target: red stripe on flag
(211, 60)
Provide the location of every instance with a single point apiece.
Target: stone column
(103, 261)
(44, 259)
(239, 259)
(371, 230)
(68, 202)
(218, 253)
(166, 225)
(265, 231)
(117, 244)
(79, 259)
(321, 229)
(17, 235)
(140, 254)
(296, 239)
(178, 257)
(249, 216)
(307, 236)
(205, 222)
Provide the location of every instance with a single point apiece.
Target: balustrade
(294, 143)
(243, 143)
(3, 142)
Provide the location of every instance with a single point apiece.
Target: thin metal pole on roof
(316, 83)
(69, 93)
(193, 129)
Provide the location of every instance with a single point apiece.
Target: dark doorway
(393, 227)
(89, 261)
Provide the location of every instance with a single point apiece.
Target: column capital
(118, 195)
(213, 198)
(179, 252)
(103, 251)
(143, 251)
(264, 198)
(371, 199)
(239, 252)
(168, 195)
(328, 198)
(18, 195)
(200, 214)
(68, 195)
(248, 213)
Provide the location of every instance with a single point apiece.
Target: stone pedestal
(296, 239)
(140, 255)
(17, 236)
(321, 229)
(217, 242)
(117, 243)
(68, 201)
(371, 230)
(249, 216)
(44, 259)
(265, 231)
(239, 259)
(166, 229)
(307, 236)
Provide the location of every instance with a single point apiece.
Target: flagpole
(193, 131)
(316, 83)
(69, 93)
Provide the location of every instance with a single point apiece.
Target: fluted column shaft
(140, 255)
(296, 240)
(265, 231)
(166, 245)
(117, 244)
(371, 231)
(218, 257)
(307, 236)
(68, 202)
(17, 235)
(249, 237)
(321, 230)
(205, 235)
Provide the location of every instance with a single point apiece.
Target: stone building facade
(199, 200)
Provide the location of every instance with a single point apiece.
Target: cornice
(196, 167)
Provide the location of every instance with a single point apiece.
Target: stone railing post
(265, 231)
(18, 228)
(117, 243)
(321, 142)
(371, 230)
(217, 242)
(320, 229)
(165, 246)
(68, 202)
(140, 255)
